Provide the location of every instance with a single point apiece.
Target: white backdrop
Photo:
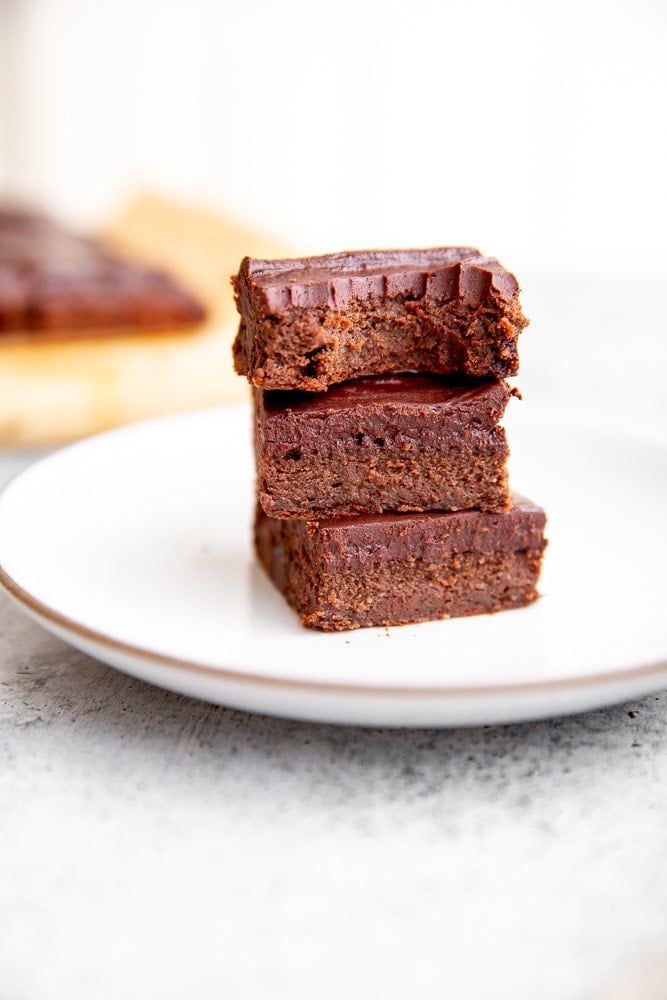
(533, 130)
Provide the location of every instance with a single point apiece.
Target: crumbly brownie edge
(377, 479)
(463, 586)
(311, 349)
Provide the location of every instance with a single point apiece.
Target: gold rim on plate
(40, 610)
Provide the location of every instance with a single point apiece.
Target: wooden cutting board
(55, 392)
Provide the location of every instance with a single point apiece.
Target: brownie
(392, 569)
(54, 282)
(393, 442)
(315, 321)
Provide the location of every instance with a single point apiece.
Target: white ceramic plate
(134, 546)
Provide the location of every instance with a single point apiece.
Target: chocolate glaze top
(361, 541)
(394, 391)
(334, 281)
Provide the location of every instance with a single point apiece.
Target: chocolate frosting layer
(334, 281)
(362, 541)
(391, 391)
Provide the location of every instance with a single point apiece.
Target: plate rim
(38, 609)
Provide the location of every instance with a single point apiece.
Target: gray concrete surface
(157, 847)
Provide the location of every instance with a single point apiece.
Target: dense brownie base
(55, 283)
(311, 323)
(402, 443)
(394, 569)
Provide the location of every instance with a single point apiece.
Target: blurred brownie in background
(55, 283)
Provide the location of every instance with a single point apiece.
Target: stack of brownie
(379, 381)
